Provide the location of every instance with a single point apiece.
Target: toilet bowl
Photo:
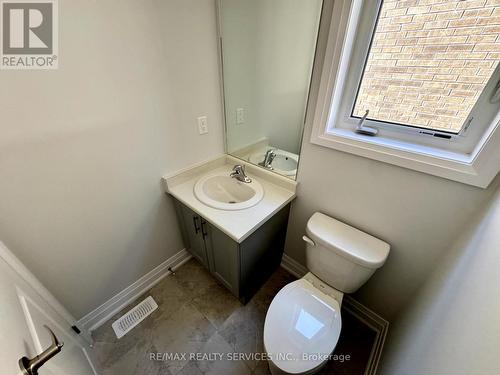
(302, 328)
(303, 322)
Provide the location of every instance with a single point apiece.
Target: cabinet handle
(203, 232)
(195, 222)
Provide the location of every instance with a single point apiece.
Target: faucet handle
(239, 173)
(238, 168)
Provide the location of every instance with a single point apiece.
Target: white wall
(238, 23)
(82, 149)
(418, 214)
(268, 49)
(453, 325)
(286, 42)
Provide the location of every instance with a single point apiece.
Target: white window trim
(477, 168)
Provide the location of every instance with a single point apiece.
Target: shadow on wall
(452, 326)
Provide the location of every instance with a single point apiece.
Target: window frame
(469, 159)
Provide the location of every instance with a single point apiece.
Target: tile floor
(197, 315)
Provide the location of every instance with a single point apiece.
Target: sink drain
(231, 202)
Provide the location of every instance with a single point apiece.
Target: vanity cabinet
(195, 237)
(240, 267)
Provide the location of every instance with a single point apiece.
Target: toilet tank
(340, 255)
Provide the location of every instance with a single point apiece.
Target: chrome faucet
(268, 159)
(239, 173)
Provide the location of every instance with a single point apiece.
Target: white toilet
(303, 322)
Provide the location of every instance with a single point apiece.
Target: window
(425, 73)
(428, 64)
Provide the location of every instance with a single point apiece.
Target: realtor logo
(29, 34)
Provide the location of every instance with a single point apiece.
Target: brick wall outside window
(429, 61)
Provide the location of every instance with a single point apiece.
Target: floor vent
(134, 317)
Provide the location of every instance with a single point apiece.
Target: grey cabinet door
(223, 256)
(192, 224)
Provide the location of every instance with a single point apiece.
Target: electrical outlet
(203, 125)
(240, 116)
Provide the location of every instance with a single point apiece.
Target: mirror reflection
(268, 50)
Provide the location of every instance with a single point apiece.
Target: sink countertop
(238, 224)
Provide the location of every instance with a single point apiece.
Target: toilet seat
(302, 328)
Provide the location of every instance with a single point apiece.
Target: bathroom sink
(284, 163)
(226, 193)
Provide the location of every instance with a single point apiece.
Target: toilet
(303, 322)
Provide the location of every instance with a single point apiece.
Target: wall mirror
(267, 53)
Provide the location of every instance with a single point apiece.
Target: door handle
(204, 234)
(195, 222)
(31, 366)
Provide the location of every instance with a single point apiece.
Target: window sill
(478, 169)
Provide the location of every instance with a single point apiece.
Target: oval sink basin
(284, 163)
(227, 193)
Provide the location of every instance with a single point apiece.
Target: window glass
(429, 62)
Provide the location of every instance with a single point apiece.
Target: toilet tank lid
(347, 241)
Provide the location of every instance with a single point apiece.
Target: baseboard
(103, 313)
(360, 311)
(292, 266)
(375, 322)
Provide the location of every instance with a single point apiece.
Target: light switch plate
(240, 116)
(203, 125)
